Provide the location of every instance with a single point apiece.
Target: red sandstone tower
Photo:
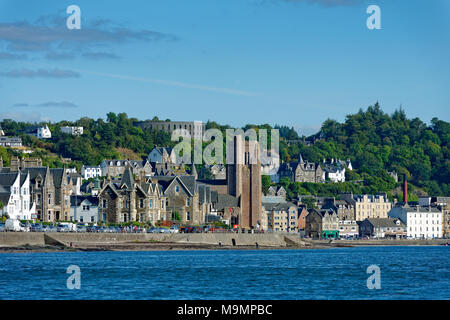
(244, 181)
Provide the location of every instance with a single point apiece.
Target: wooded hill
(375, 142)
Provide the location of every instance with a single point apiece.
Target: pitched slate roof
(127, 178)
(385, 222)
(36, 171)
(79, 199)
(162, 149)
(278, 206)
(226, 201)
(272, 199)
(4, 198)
(187, 181)
(57, 174)
(7, 179)
(123, 163)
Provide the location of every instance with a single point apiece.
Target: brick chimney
(405, 189)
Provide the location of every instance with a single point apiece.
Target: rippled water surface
(339, 273)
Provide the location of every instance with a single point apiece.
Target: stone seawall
(11, 239)
(203, 238)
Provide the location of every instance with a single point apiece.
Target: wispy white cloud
(329, 3)
(50, 104)
(40, 73)
(172, 83)
(12, 56)
(60, 56)
(46, 35)
(100, 55)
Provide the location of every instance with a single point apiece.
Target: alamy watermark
(252, 147)
(374, 20)
(74, 280)
(374, 281)
(74, 20)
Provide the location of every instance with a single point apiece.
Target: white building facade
(43, 133)
(74, 131)
(84, 209)
(90, 172)
(15, 192)
(162, 155)
(422, 222)
(336, 175)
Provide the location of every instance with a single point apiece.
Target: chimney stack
(405, 189)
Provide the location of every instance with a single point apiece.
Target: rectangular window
(141, 203)
(188, 216)
(150, 203)
(104, 204)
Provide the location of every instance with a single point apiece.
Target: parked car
(173, 230)
(151, 230)
(2, 227)
(36, 227)
(81, 228)
(101, 229)
(62, 228)
(12, 225)
(25, 227)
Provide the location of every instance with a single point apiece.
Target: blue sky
(290, 62)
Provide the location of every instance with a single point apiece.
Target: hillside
(374, 141)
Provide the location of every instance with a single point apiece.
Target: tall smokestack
(405, 189)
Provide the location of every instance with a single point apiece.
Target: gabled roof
(127, 178)
(188, 182)
(161, 150)
(7, 179)
(79, 199)
(57, 174)
(36, 171)
(122, 163)
(4, 197)
(23, 178)
(385, 222)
